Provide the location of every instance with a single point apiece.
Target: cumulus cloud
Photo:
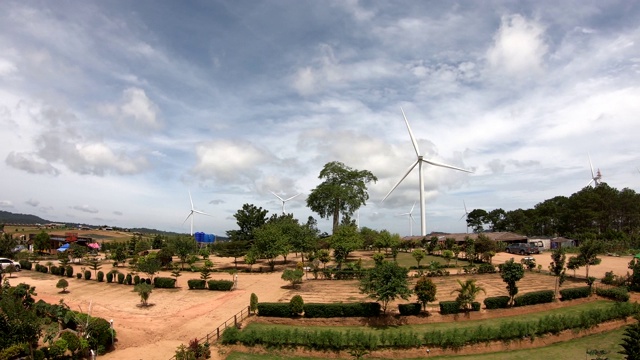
(227, 160)
(85, 208)
(135, 110)
(518, 48)
(6, 204)
(30, 163)
(496, 166)
(32, 202)
(7, 67)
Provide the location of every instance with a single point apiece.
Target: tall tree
(588, 253)
(42, 242)
(343, 191)
(248, 219)
(558, 266)
(511, 272)
(476, 220)
(386, 282)
(345, 240)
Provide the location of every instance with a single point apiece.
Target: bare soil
(179, 315)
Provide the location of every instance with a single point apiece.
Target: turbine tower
(193, 211)
(466, 214)
(411, 219)
(595, 177)
(420, 159)
(284, 200)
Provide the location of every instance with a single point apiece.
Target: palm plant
(467, 293)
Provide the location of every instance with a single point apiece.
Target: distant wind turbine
(284, 200)
(411, 219)
(595, 177)
(420, 159)
(466, 214)
(193, 211)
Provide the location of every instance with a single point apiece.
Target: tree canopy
(249, 218)
(343, 191)
(386, 282)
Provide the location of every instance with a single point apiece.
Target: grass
(405, 259)
(573, 349)
(460, 325)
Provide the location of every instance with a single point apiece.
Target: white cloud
(6, 204)
(85, 208)
(136, 111)
(32, 202)
(30, 163)
(229, 161)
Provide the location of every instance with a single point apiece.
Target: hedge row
(220, 285)
(453, 307)
(270, 309)
(535, 297)
(575, 293)
(617, 294)
(164, 282)
(362, 309)
(496, 302)
(410, 309)
(337, 340)
(25, 264)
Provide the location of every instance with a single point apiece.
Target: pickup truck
(522, 249)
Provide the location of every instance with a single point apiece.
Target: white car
(4, 262)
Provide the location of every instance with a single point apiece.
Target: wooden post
(235, 320)
(218, 331)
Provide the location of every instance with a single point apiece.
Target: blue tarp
(63, 247)
(205, 238)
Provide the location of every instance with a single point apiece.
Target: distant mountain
(27, 219)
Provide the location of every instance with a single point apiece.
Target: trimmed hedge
(197, 284)
(120, 278)
(100, 276)
(79, 275)
(87, 275)
(410, 309)
(363, 309)
(109, 277)
(127, 279)
(69, 271)
(25, 264)
(136, 280)
(452, 307)
(220, 285)
(617, 294)
(496, 302)
(575, 293)
(534, 297)
(485, 268)
(164, 282)
(274, 309)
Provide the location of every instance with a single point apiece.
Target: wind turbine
(284, 200)
(595, 177)
(411, 219)
(193, 211)
(420, 159)
(466, 214)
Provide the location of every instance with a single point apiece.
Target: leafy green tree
(588, 253)
(511, 272)
(268, 242)
(343, 191)
(249, 218)
(369, 237)
(418, 255)
(77, 251)
(467, 293)
(344, 240)
(19, 323)
(119, 254)
(631, 341)
(448, 255)
(253, 302)
(42, 242)
(7, 245)
(165, 256)
(476, 220)
(293, 276)
(183, 246)
(456, 251)
(10, 269)
(250, 259)
(205, 271)
(142, 246)
(149, 265)
(574, 263)
(234, 249)
(496, 220)
(425, 290)
(62, 284)
(176, 273)
(144, 291)
(432, 244)
(386, 282)
(95, 265)
(324, 257)
(558, 267)
(485, 245)
(158, 242)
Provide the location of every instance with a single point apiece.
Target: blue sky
(113, 111)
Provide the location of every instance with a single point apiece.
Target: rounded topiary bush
(69, 271)
(100, 276)
(87, 275)
(136, 280)
(297, 305)
(109, 277)
(79, 276)
(409, 309)
(127, 279)
(120, 278)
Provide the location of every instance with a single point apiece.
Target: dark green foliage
(575, 293)
(496, 302)
(617, 294)
(196, 284)
(72, 340)
(100, 276)
(99, 332)
(534, 297)
(511, 272)
(69, 271)
(366, 309)
(274, 309)
(109, 277)
(485, 268)
(449, 307)
(220, 285)
(410, 309)
(631, 341)
(136, 280)
(296, 304)
(386, 282)
(25, 264)
(148, 281)
(164, 282)
(79, 275)
(120, 278)
(127, 279)
(253, 302)
(87, 275)
(19, 322)
(425, 290)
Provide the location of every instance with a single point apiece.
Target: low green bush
(274, 309)
(410, 309)
(127, 279)
(136, 280)
(25, 264)
(87, 275)
(534, 297)
(120, 278)
(496, 302)
(100, 276)
(617, 294)
(453, 307)
(79, 276)
(164, 282)
(196, 284)
(485, 268)
(69, 271)
(575, 293)
(296, 304)
(220, 285)
(363, 309)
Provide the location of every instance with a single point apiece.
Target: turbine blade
(398, 183)
(592, 180)
(414, 205)
(446, 166)
(201, 213)
(593, 175)
(461, 217)
(190, 199)
(413, 139)
(412, 218)
(291, 197)
(465, 207)
(276, 195)
(188, 216)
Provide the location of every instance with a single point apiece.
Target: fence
(232, 321)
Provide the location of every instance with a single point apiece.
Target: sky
(113, 112)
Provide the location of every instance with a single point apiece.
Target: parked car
(522, 249)
(4, 262)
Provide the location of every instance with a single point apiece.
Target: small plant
(100, 276)
(292, 276)
(62, 284)
(253, 303)
(297, 305)
(87, 275)
(144, 290)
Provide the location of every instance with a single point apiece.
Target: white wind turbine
(595, 177)
(193, 211)
(466, 214)
(420, 159)
(284, 200)
(411, 219)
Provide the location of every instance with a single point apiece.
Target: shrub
(409, 309)
(100, 276)
(87, 275)
(73, 342)
(136, 280)
(575, 293)
(127, 279)
(220, 285)
(253, 302)
(100, 332)
(69, 271)
(62, 284)
(109, 277)
(79, 276)
(534, 297)
(485, 268)
(164, 282)
(120, 278)
(363, 309)
(453, 307)
(25, 264)
(297, 305)
(496, 302)
(197, 284)
(617, 294)
(274, 309)
(148, 281)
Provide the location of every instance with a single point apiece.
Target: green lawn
(574, 349)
